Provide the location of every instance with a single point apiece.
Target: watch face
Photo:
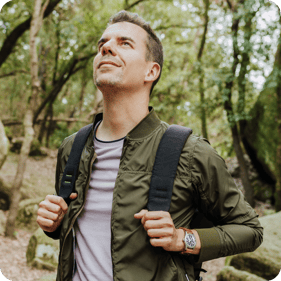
(190, 240)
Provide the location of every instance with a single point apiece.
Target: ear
(153, 72)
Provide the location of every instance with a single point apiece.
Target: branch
(202, 44)
(160, 27)
(18, 31)
(8, 122)
(14, 72)
(183, 42)
(133, 4)
(69, 71)
(229, 4)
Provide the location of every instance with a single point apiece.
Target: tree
(228, 106)
(201, 71)
(35, 25)
(11, 40)
(277, 74)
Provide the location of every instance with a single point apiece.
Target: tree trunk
(278, 155)
(36, 22)
(16, 195)
(43, 128)
(249, 193)
(245, 55)
(4, 145)
(50, 125)
(278, 117)
(203, 106)
(82, 93)
(201, 73)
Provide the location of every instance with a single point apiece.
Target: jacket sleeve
(237, 228)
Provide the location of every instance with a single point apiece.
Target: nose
(108, 48)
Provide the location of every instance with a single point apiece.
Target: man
(106, 233)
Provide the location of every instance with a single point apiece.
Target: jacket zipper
(77, 214)
(123, 152)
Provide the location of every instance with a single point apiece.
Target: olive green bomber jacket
(202, 181)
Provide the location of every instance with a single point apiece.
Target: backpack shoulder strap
(165, 167)
(70, 171)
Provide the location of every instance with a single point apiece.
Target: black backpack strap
(165, 167)
(70, 171)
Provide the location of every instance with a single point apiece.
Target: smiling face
(121, 61)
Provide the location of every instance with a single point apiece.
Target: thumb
(73, 196)
(140, 214)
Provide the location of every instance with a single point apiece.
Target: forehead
(125, 29)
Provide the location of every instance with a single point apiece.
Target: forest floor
(38, 184)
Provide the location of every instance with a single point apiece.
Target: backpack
(162, 179)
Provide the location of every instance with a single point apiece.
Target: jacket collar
(146, 126)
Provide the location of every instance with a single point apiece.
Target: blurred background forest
(221, 77)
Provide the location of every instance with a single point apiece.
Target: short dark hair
(154, 49)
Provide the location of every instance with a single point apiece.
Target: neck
(121, 113)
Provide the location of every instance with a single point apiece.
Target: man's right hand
(51, 212)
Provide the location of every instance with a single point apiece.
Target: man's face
(120, 61)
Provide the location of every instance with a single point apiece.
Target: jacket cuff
(210, 244)
(55, 234)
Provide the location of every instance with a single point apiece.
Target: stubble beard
(106, 81)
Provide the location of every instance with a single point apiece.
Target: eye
(126, 43)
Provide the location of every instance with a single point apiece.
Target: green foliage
(73, 29)
(62, 131)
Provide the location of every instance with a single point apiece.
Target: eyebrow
(123, 38)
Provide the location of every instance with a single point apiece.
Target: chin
(102, 83)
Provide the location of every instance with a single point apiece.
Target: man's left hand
(160, 227)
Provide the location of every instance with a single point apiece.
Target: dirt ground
(12, 252)
(13, 261)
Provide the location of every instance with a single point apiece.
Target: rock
(49, 277)
(2, 222)
(263, 266)
(265, 262)
(42, 252)
(35, 149)
(229, 273)
(27, 213)
(260, 135)
(4, 144)
(262, 190)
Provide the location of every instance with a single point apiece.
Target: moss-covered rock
(42, 252)
(49, 277)
(263, 266)
(229, 273)
(27, 214)
(265, 262)
(261, 130)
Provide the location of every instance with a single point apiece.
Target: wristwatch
(189, 239)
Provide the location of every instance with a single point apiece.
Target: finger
(45, 224)
(58, 201)
(160, 233)
(73, 196)
(52, 207)
(155, 215)
(164, 242)
(49, 215)
(140, 214)
(160, 223)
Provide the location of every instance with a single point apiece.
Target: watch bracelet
(188, 231)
